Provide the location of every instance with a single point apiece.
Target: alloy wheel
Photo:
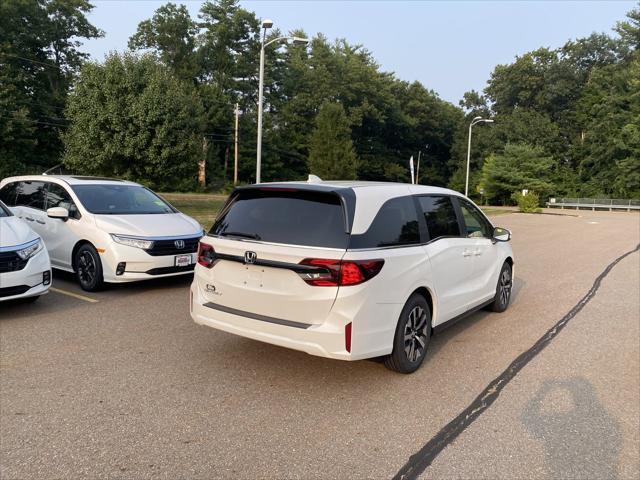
(505, 286)
(86, 268)
(416, 334)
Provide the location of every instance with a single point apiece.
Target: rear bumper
(323, 340)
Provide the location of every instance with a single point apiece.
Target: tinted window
(120, 200)
(291, 217)
(475, 223)
(8, 194)
(30, 194)
(440, 216)
(395, 224)
(4, 210)
(57, 196)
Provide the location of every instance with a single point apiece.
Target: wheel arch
(429, 297)
(76, 247)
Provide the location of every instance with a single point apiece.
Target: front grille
(11, 291)
(11, 262)
(168, 247)
(167, 270)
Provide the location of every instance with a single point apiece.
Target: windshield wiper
(255, 236)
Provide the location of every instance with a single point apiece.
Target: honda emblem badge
(179, 244)
(250, 257)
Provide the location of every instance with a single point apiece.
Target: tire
(503, 289)
(412, 336)
(88, 268)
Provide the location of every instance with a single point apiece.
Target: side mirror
(501, 234)
(58, 212)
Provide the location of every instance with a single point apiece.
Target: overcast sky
(450, 47)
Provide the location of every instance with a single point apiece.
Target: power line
(50, 65)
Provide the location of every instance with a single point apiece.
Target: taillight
(334, 273)
(206, 255)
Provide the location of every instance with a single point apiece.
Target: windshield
(314, 219)
(4, 210)
(111, 199)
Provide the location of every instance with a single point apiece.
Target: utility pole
(202, 164)
(418, 168)
(235, 149)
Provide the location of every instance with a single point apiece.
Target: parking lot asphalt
(122, 384)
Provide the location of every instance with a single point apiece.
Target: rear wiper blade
(255, 236)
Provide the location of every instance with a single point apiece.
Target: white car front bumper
(140, 265)
(29, 281)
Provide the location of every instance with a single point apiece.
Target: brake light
(333, 273)
(206, 255)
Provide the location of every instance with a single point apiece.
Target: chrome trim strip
(256, 316)
(248, 240)
(15, 248)
(171, 237)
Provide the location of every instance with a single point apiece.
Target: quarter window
(396, 224)
(30, 194)
(440, 216)
(475, 223)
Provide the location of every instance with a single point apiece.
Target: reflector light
(347, 337)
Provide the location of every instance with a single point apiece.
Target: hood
(160, 225)
(14, 231)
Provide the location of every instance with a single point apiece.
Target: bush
(528, 203)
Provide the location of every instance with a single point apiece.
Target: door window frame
(423, 221)
(77, 214)
(463, 224)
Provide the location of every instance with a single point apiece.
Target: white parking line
(74, 295)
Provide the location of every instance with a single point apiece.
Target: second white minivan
(349, 270)
(104, 230)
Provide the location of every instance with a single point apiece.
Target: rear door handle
(29, 218)
(40, 222)
(477, 252)
(467, 253)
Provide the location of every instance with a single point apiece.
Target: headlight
(31, 250)
(132, 241)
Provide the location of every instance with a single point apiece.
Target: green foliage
(575, 109)
(39, 58)
(331, 154)
(519, 167)
(130, 118)
(528, 203)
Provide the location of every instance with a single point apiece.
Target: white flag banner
(413, 180)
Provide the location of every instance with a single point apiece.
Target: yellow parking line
(74, 295)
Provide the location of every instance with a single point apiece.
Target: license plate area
(182, 260)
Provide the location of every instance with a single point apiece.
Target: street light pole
(475, 121)
(266, 24)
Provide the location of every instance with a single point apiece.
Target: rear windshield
(314, 219)
(113, 199)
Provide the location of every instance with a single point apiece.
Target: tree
(519, 167)
(331, 154)
(172, 33)
(131, 118)
(39, 58)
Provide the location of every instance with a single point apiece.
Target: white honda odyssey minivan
(349, 270)
(104, 230)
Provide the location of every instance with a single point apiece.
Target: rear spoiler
(346, 195)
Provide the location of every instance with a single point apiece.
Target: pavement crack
(419, 461)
